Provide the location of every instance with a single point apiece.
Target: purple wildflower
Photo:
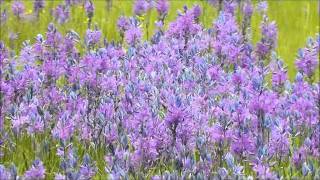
(61, 13)
(248, 9)
(196, 10)
(93, 37)
(141, 7)
(38, 5)
(133, 35)
(18, 8)
(162, 7)
(262, 6)
(123, 24)
(37, 171)
(89, 7)
(279, 78)
(308, 58)
(263, 171)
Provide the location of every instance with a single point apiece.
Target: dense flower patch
(191, 103)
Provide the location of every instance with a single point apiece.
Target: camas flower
(263, 171)
(262, 6)
(162, 7)
(263, 103)
(123, 24)
(61, 13)
(63, 130)
(93, 37)
(4, 172)
(133, 35)
(248, 9)
(38, 5)
(308, 58)
(299, 156)
(89, 7)
(279, 78)
(196, 11)
(269, 38)
(18, 8)
(184, 26)
(36, 172)
(140, 7)
(227, 40)
(186, 100)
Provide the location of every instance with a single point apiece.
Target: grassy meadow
(296, 20)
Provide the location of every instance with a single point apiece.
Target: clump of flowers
(191, 103)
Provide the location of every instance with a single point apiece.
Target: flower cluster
(193, 103)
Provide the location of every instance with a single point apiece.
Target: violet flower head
(3, 52)
(279, 142)
(242, 145)
(18, 8)
(269, 38)
(263, 103)
(145, 151)
(89, 7)
(93, 37)
(38, 5)
(190, 99)
(238, 77)
(299, 156)
(279, 77)
(227, 41)
(63, 130)
(162, 7)
(230, 7)
(87, 170)
(196, 10)
(248, 9)
(308, 58)
(175, 116)
(133, 35)
(184, 26)
(270, 30)
(263, 171)
(4, 172)
(123, 24)
(37, 171)
(262, 6)
(140, 7)
(61, 13)
(3, 16)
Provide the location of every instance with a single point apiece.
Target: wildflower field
(159, 89)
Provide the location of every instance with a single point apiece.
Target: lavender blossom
(18, 8)
(61, 13)
(37, 171)
(133, 35)
(162, 7)
(141, 7)
(38, 5)
(308, 58)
